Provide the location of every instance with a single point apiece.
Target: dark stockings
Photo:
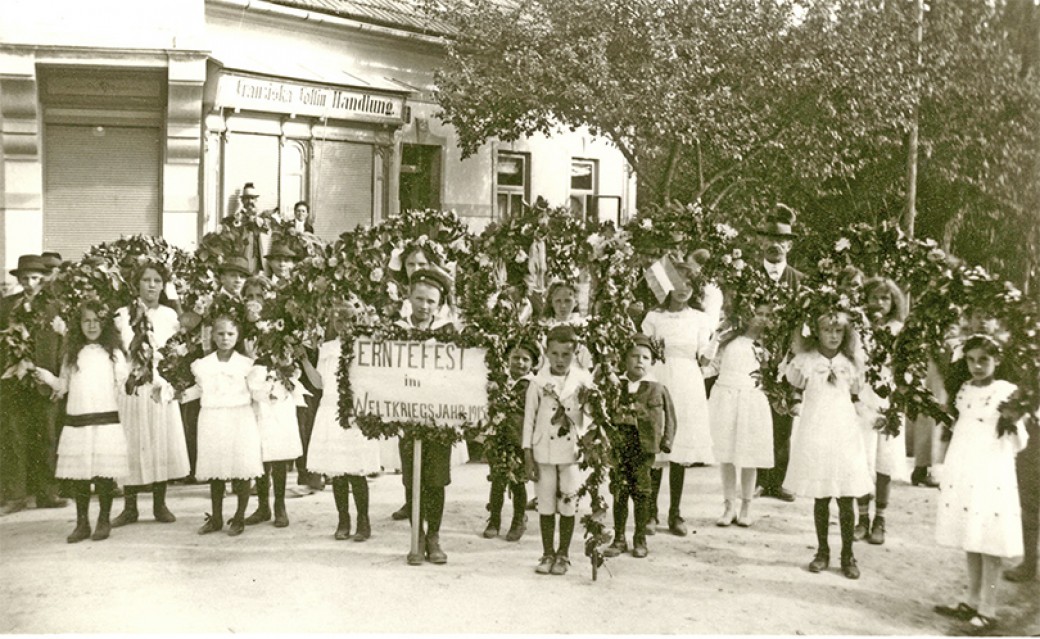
(846, 522)
(359, 486)
(241, 490)
(497, 500)
(676, 482)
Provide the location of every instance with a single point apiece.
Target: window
(512, 177)
(583, 188)
(294, 177)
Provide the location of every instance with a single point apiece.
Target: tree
(743, 103)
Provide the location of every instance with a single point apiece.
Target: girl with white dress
(92, 447)
(229, 437)
(827, 455)
(151, 417)
(886, 454)
(741, 422)
(343, 454)
(979, 510)
(687, 335)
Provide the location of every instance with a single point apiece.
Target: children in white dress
(342, 453)
(686, 333)
(151, 417)
(827, 455)
(886, 454)
(92, 447)
(229, 437)
(979, 510)
(741, 422)
(554, 421)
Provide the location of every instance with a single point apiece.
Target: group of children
(247, 426)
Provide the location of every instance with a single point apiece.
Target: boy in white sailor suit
(554, 421)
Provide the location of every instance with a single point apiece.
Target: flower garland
(504, 455)
(679, 228)
(363, 255)
(129, 253)
(608, 335)
(925, 337)
(17, 344)
(186, 346)
(531, 249)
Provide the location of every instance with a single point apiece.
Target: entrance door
(420, 183)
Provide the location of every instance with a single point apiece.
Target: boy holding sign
(428, 290)
(554, 420)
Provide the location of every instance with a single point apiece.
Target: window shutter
(99, 183)
(342, 184)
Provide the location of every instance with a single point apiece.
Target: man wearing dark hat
(28, 421)
(427, 293)
(248, 199)
(53, 260)
(775, 239)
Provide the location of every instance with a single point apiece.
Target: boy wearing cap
(523, 358)
(427, 293)
(645, 426)
(233, 274)
(554, 421)
(280, 261)
(29, 420)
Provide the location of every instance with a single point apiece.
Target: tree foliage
(743, 103)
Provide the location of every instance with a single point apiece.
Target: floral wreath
(528, 249)
(364, 256)
(187, 276)
(684, 228)
(926, 335)
(181, 350)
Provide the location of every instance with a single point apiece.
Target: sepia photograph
(520, 317)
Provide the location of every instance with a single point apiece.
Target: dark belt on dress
(92, 419)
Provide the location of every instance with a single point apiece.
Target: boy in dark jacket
(645, 426)
(504, 449)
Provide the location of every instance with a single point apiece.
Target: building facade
(152, 122)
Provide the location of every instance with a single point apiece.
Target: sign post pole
(416, 497)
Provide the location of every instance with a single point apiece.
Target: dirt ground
(164, 578)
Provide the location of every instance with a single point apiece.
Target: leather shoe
(921, 477)
(849, 568)
(877, 532)
(401, 513)
(560, 566)
(820, 562)
(639, 549)
(1020, 573)
(236, 526)
(785, 495)
(617, 548)
(51, 502)
(433, 549)
(677, 526)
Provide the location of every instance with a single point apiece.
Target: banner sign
(417, 381)
(294, 98)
